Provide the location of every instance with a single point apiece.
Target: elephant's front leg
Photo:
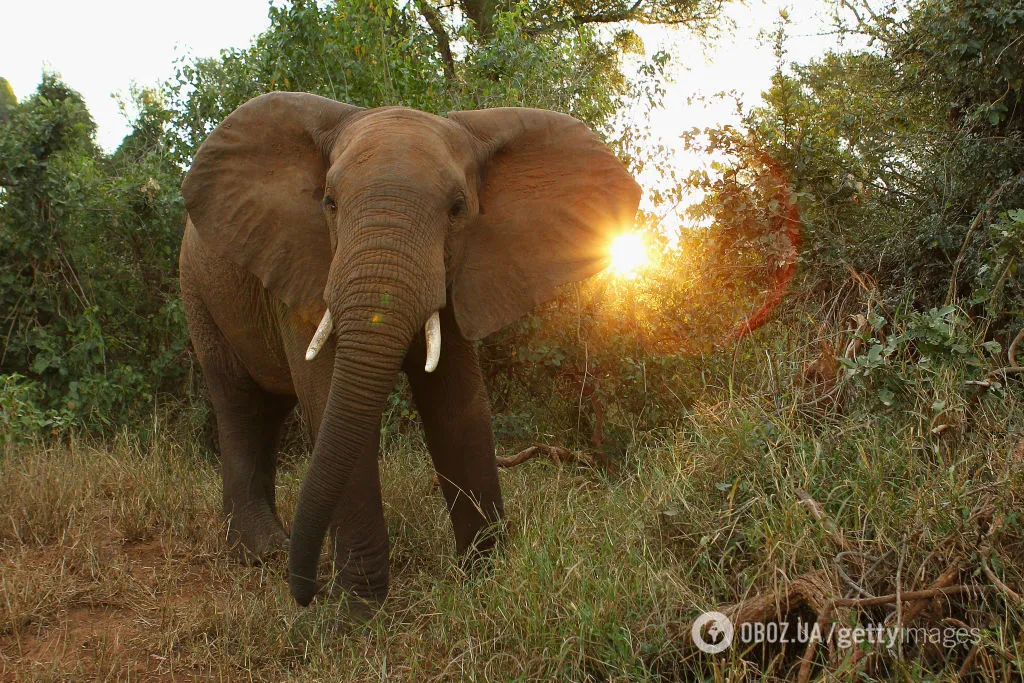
(249, 421)
(452, 402)
(358, 532)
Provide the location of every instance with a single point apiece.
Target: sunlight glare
(629, 254)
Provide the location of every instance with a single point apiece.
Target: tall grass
(114, 560)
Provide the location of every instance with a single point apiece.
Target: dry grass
(114, 564)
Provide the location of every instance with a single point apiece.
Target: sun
(629, 254)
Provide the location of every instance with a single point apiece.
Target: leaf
(992, 347)
(40, 364)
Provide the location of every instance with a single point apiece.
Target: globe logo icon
(712, 632)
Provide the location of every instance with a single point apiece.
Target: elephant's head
(386, 216)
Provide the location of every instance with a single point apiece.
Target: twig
(819, 514)
(910, 596)
(846, 577)
(998, 583)
(986, 207)
(556, 453)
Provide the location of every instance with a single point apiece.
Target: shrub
(88, 248)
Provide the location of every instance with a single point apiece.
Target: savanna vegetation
(807, 406)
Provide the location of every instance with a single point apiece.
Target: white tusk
(320, 336)
(433, 331)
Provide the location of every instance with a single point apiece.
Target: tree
(88, 245)
(7, 98)
(906, 156)
(480, 53)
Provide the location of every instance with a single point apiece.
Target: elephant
(329, 247)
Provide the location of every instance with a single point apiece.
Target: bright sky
(101, 47)
(741, 62)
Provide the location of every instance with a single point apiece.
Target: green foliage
(969, 51)
(7, 98)
(902, 155)
(914, 350)
(374, 53)
(20, 414)
(88, 244)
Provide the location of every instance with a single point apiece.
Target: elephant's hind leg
(249, 421)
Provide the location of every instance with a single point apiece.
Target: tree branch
(443, 43)
(607, 17)
(612, 17)
(982, 214)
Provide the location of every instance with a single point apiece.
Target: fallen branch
(808, 592)
(815, 593)
(1011, 352)
(557, 454)
(1013, 595)
(919, 599)
(909, 596)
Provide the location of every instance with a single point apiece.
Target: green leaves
(914, 348)
(381, 52)
(906, 159)
(88, 250)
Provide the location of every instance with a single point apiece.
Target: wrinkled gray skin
(298, 204)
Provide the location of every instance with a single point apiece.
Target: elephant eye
(457, 208)
(329, 203)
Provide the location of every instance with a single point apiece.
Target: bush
(88, 248)
(907, 157)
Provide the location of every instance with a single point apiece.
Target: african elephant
(329, 247)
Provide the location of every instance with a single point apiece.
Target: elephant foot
(271, 551)
(256, 545)
(358, 608)
(477, 555)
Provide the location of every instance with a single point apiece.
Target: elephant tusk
(433, 331)
(320, 336)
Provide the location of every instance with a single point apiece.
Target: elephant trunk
(375, 319)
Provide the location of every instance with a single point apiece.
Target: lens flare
(629, 254)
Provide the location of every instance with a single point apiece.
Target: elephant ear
(254, 191)
(552, 198)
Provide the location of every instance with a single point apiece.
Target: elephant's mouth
(431, 330)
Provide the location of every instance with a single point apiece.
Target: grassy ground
(113, 562)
